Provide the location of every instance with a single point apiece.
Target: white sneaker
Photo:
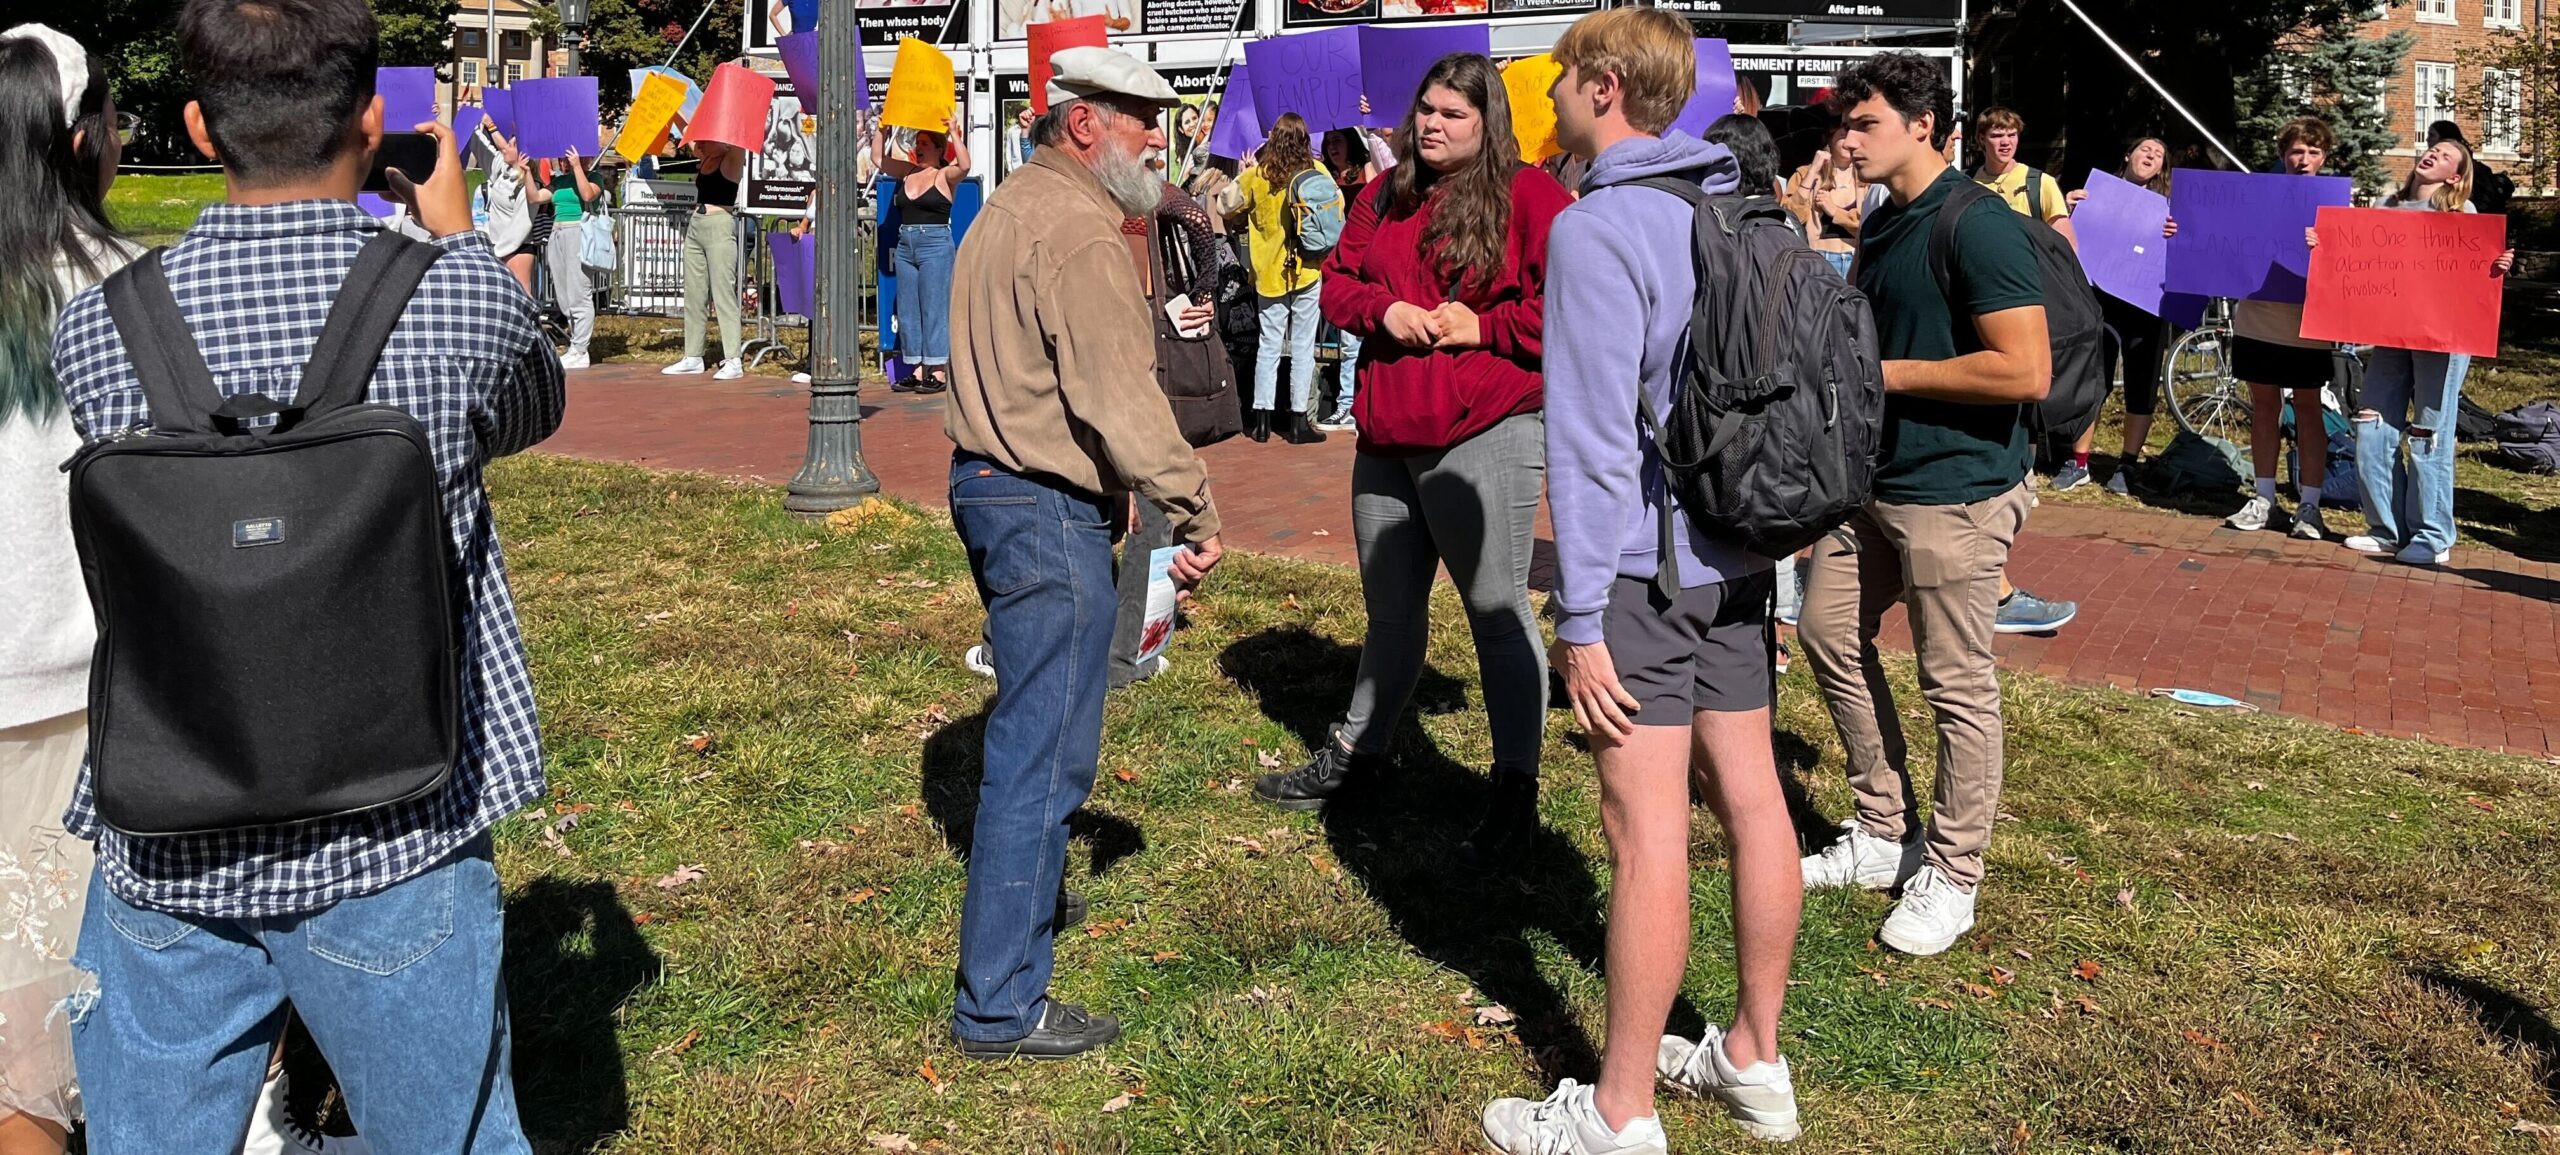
(1567, 1123)
(1933, 914)
(1861, 859)
(979, 661)
(2253, 516)
(2308, 526)
(573, 359)
(730, 370)
(1761, 1097)
(688, 367)
(799, 378)
(2417, 554)
(2366, 543)
(273, 1130)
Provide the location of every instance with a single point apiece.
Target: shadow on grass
(573, 958)
(954, 762)
(2501, 523)
(2512, 1020)
(1399, 834)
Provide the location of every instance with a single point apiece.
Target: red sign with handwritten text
(2407, 279)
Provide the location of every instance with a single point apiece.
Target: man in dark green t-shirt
(1960, 365)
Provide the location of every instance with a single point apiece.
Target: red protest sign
(733, 108)
(1047, 38)
(2406, 279)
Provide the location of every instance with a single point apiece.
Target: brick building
(494, 43)
(2436, 83)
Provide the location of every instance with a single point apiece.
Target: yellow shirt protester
(1266, 206)
(2012, 187)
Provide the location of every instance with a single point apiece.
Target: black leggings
(2138, 337)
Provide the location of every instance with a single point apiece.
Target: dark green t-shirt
(1946, 452)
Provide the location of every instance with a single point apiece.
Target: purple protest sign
(2120, 245)
(465, 119)
(2184, 310)
(2240, 233)
(1394, 60)
(1238, 131)
(375, 205)
(408, 97)
(1716, 89)
(555, 116)
(500, 107)
(800, 61)
(795, 272)
(1313, 74)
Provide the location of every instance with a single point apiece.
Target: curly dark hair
(1913, 84)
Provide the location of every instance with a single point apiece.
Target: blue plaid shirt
(471, 362)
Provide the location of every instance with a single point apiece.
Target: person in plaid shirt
(382, 928)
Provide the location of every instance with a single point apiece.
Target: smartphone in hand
(413, 153)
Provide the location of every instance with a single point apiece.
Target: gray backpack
(1776, 421)
(2529, 436)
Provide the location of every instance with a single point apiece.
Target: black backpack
(1779, 410)
(278, 618)
(2073, 321)
(2529, 437)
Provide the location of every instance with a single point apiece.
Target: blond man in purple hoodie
(1662, 638)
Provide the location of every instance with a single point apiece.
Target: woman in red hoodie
(1440, 274)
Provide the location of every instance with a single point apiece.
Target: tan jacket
(1053, 357)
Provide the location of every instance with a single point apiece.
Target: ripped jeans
(2410, 396)
(400, 988)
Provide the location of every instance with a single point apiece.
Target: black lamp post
(573, 30)
(832, 474)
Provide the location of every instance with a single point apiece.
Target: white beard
(1132, 185)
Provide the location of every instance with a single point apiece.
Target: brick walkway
(2469, 655)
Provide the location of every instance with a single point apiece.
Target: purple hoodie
(1619, 283)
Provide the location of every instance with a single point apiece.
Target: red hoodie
(1418, 400)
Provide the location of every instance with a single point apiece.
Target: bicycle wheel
(2204, 398)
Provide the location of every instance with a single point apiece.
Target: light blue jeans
(1347, 373)
(400, 988)
(2413, 396)
(1289, 324)
(923, 263)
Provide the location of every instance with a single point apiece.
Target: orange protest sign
(1533, 115)
(919, 95)
(2406, 279)
(733, 108)
(653, 109)
(1048, 38)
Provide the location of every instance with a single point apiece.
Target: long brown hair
(1471, 224)
(2453, 194)
(1287, 151)
(2159, 181)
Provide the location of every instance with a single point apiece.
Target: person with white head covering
(54, 242)
(1055, 417)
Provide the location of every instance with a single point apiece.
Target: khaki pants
(711, 280)
(1944, 562)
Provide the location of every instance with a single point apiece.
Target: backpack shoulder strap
(1942, 232)
(377, 290)
(2035, 193)
(176, 384)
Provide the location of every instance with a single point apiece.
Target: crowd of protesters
(1503, 339)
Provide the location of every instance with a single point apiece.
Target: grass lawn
(2202, 933)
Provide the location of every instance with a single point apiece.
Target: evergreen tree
(2333, 72)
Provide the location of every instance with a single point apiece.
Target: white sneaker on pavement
(1933, 914)
(1861, 859)
(2256, 515)
(1567, 1123)
(2365, 543)
(1761, 1097)
(573, 359)
(2417, 554)
(730, 370)
(688, 367)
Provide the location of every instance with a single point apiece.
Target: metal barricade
(651, 277)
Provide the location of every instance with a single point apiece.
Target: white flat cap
(1076, 73)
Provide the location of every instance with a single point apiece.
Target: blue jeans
(1839, 261)
(1347, 373)
(924, 294)
(1289, 326)
(400, 988)
(1042, 558)
(2416, 395)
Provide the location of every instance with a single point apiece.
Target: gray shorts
(1707, 649)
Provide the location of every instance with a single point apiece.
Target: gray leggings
(1474, 506)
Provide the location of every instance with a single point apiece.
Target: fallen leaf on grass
(929, 1077)
(566, 823)
(1251, 846)
(679, 1046)
(2124, 898)
(701, 743)
(657, 617)
(2018, 1135)
(1324, 865)
(1494, 1015)
(863, 895)
(1941, 1004)
(2023, 953)
(1125, 775)
(1882, 979)
(886, 1142)
(1978, 990)
(1290, 602)
(2482, 803)
(2088, 970)
(1119, 1103)
(2254, 784)
(2003, 976)
(1447, 1029)
(824, 846)
(1099, 929)
(552, 839)
(1267, 760)
(2204, 1040)
(2538, 1130)
(680, 876)
(1164, 956)
(2089, 1006)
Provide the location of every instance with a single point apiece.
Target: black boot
(1510, 820)
(1300, 432)
(1257, 424)
(1310, 786)
(1066, 1030)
